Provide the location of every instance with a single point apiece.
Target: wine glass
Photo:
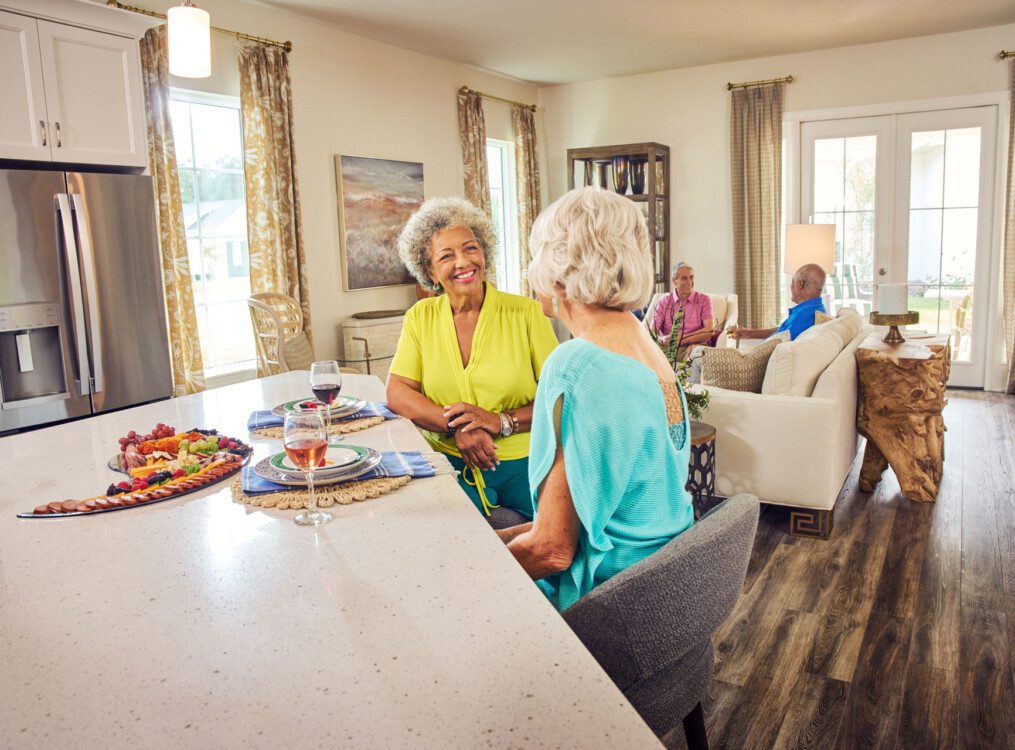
(326, 383)
(306, 443)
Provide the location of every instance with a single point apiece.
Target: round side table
(701, 471)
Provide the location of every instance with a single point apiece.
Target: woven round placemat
(342, 494)
(336, 428)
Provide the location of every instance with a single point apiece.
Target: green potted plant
(697, 401)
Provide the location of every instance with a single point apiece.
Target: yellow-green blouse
(512, 340)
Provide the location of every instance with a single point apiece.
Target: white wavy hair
(593, 243)
(433, 216)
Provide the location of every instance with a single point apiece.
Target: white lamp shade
(189, 42)
(809, 243)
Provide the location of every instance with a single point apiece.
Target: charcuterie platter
(162, 465)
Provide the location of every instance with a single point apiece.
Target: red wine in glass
(326, 393)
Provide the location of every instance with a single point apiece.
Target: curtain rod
(749, 84)
(467, 90)
(1005, 53)
(287, 45)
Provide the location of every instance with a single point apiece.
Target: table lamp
(809, 243)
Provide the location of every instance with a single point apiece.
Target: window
(209, 154)
(911, 197)
(500, 160)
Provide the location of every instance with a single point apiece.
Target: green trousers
(507, 487)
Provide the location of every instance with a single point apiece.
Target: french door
(912, 199)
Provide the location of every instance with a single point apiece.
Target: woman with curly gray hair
(467, 361)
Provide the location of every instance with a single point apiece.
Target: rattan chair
(278, 333)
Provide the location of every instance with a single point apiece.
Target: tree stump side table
(701, 470)
(902, 395)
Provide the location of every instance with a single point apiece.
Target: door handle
(70, 249)
(59, 137)
(91, 291)
(42, 128)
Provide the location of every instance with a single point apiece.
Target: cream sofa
(724, 307)
(793, 444)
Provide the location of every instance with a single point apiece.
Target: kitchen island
(203, 622)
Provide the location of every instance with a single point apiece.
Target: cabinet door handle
(59, 138)
(42, 127)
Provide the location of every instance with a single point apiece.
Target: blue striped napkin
(260, 420)
(393, 464)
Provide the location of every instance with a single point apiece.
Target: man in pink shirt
(698, 325)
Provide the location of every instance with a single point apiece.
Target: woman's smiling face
(457, 260)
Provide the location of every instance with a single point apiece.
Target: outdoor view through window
(209, 153)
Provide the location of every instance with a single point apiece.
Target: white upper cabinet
(23, 119)
(69, 94)
(93, 95)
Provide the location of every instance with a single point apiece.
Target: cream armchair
(724, 306)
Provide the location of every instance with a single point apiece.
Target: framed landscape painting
(375, 197)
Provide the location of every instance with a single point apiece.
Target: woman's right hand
(477, 448)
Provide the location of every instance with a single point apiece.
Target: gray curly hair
(433, 216)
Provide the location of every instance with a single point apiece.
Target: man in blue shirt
(805, 291)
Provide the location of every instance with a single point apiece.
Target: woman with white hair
(610, 436)
(467, 361)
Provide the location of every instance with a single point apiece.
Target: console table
(902, 395)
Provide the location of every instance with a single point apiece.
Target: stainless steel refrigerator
(82, 317)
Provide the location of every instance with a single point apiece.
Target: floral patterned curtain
(185, 346)
(756, 175)
(1009, 241)
(472, 128)
(527, 184)
(274, 225)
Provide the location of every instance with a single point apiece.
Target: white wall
(688, 110)
(355, 96)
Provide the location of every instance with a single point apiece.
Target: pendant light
(189, 41)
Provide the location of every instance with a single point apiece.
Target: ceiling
(562, 41)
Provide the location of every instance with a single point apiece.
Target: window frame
(241, 370)
(508, 251)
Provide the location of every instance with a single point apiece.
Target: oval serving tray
(237, 465)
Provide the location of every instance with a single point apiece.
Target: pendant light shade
(189, 41)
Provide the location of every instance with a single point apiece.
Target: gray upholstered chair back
(650, 627)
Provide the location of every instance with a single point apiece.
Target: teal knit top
(626, 466)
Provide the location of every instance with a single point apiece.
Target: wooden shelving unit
(586, 166)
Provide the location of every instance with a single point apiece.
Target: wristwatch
(506, 425)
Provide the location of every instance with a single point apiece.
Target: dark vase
(620, 174)
(637, 172)
(590, 174)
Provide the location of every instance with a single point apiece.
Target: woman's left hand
(468, 417)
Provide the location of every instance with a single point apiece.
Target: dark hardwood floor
(899, 630)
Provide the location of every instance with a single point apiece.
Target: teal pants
(507, 487)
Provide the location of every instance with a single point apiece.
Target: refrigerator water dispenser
(31, 355)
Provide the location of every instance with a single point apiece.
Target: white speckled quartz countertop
(200, 622)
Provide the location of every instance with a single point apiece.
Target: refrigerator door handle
(70, 249)
(91, 291)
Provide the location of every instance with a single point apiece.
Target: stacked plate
(343, 406)
(342, 463)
